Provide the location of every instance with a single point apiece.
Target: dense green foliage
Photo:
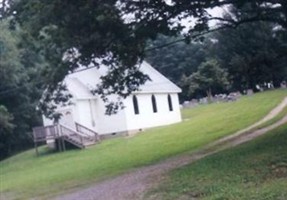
(26, 175)
(209, 78)
(117, 31)
(252, 54)
(256, 170)
(20, 91)
(6, 127)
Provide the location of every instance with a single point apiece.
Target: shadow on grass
(44, 150)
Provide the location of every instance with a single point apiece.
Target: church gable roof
(82, 82)
(78, 89)
(158, 83)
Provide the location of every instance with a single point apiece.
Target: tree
(6, 129)
(5, 120)
(252, 54)
(20, 90)
(209, 77)
(116, 31)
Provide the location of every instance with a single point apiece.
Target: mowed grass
(255, 170)
(26, 175)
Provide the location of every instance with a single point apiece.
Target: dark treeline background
(21, 87)
(232, 59)
(252, 54)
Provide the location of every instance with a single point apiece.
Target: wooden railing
(45, 133)
(81, 137)
(88, 132)
(72, 136)
(41, 134)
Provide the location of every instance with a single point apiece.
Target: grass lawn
(26, 175)
(255, 170)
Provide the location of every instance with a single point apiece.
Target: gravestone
(249, 92)
(283, 84)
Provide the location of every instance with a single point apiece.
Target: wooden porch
(61, 134)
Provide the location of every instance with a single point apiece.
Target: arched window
(153, 101)
(169, 103)
(136, 105)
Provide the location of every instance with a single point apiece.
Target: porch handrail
(69, 134)
(74, 131)
(85, 130)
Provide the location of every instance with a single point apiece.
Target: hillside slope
(26, 175)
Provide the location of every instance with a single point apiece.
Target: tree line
(20, 89)
(235, 59)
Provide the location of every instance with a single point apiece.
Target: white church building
(154, 104)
